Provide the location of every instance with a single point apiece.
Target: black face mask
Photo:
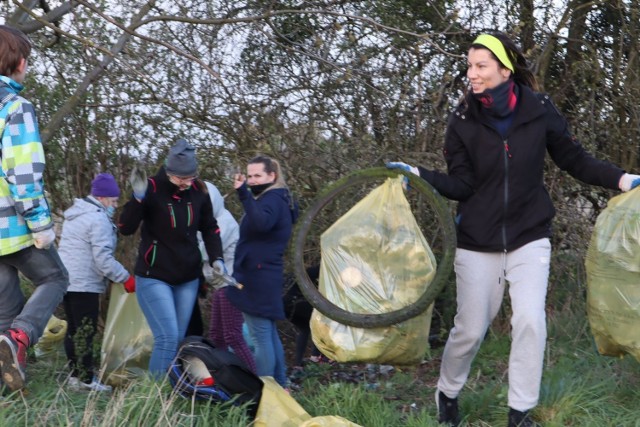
(259, 188)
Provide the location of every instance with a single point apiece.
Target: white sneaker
(95, 385)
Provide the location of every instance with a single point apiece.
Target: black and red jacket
(170, 220)
(503, 203)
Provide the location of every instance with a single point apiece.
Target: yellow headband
(495, 46)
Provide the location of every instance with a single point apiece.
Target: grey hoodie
(87, 245)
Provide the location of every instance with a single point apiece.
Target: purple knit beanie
(105, 185)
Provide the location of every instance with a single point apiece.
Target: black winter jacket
(499, 181)
(170, 219)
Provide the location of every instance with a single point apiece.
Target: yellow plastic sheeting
(375, 259)
(278, 409)
(51, 342)
(613, 277)
(127, 340)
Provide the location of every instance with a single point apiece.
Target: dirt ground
(410, 394)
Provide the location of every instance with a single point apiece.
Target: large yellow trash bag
(127, 340)
(613, 277)
(375, 259)
(52, 339)
(278, 409)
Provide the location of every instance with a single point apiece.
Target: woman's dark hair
(200, 185)
(522, 74)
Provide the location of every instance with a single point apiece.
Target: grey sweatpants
(481, 278)
(46, 271)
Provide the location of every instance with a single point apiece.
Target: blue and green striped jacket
(23, 207)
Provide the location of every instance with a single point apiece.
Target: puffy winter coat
(87, 246)
(499, 181)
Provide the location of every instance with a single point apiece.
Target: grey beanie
(182, 159)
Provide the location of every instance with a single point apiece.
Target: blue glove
(138, 181)
(629, 182)
(405, 167)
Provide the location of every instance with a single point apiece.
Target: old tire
(444, 267)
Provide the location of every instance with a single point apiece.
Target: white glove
(219, 268)
(138, 181)
(628, 182)
(405, 167)
(219, 271)
(44, 239)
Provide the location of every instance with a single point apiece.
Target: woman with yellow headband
(495, 146)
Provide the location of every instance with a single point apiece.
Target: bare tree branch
(54, 124)
(53, 16)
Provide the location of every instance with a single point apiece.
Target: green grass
(579, 388)
(48, 402)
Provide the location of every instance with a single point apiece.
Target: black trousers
(82, 309)
(196, 326)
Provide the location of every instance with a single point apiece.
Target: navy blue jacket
(265, 229)
(499, 181)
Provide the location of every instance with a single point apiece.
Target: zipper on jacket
(151, 251)
(507, 156)
(189, 214)
(172, 215)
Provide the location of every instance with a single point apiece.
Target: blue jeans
(45, 270)
(269, 353)
(167, 309)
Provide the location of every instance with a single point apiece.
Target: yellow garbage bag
(52, 339)
(375, 259)
(328, 421)
(127, 341)
(278, 409)
(613, 277)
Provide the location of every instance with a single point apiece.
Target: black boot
(447, 409)
(520, 419)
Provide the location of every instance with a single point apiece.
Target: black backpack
(204, 372)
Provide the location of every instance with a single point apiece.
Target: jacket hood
(227, 223)
(216, 199)
(285, 194)
(82, 207)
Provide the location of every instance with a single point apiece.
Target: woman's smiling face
(484, 71)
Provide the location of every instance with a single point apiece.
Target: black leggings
(82, 309)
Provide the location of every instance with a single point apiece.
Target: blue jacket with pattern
(23, 207)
